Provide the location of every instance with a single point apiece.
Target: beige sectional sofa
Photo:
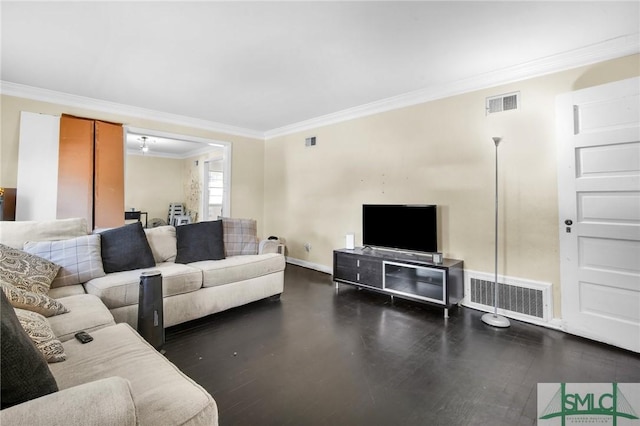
(190, 291)
(119, 378)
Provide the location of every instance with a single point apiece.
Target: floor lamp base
(495, 320)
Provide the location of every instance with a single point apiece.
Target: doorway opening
(163, 169)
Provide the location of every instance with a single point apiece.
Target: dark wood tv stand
(400, 274)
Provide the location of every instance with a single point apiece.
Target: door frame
(204, 202)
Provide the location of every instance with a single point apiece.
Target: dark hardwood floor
(321, 357)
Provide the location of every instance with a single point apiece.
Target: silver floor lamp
(493, 318)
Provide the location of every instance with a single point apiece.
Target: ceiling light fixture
(143, 145)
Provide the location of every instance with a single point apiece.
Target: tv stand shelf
(405, 275)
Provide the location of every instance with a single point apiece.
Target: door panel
(606, 207)
(620, 304)
(75, 169)
(609, 254)
(601, 115)
(109, 175)
(596, 161)
(599, 206)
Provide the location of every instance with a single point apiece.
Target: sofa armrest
(103, 402)
(270, 246)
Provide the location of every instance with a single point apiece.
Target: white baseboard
(309, 265)
(554, 323)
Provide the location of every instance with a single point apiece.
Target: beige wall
(152, 183)
(438, 152)
(247, 153)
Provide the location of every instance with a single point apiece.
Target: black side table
(137, 215)
(150, 311)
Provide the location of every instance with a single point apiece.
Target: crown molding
(51, 96)
(610, 49)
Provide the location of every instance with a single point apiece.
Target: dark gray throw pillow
(23, 369)
(200, 241)
(125, 248)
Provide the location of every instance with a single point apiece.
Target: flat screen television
(400, 227)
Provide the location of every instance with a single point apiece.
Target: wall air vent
(500, 103)
(518, 298)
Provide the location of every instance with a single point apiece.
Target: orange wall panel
(75, 169)
(109, 175)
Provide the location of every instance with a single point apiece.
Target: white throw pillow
(163, 243)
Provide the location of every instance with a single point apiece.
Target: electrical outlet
(307, 246)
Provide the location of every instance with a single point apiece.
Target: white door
(598, 132)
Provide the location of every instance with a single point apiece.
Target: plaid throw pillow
(79, 258)
(240, 236)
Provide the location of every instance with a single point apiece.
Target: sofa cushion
(125, 249)
(26, 271)
(110, 400)
(200, 241)
(42, 335)
(86, 312)
(240, 236)
(16, 233)
(68, 290)
(79, 258)
(121, 288)
(239, 268)
(23, 370)
(40, 303)
(163, 394)
(162, 240)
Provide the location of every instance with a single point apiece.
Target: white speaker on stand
(350, 242)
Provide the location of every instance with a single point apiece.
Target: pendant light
(143, 145)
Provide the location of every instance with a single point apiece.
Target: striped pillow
(80, 258)
(240, 236)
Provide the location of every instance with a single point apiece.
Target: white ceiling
(261, 66)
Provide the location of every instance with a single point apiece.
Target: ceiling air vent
(500, 103)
